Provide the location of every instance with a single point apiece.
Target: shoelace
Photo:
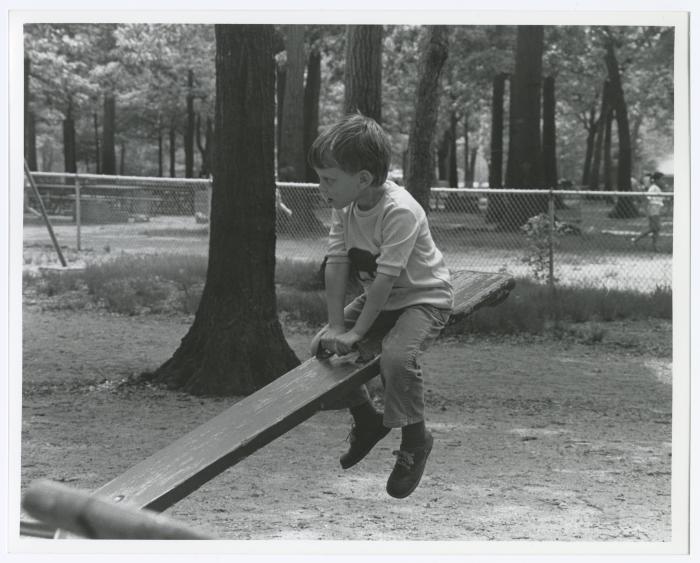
(403, 458)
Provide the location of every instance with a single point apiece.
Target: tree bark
(189, 127)
(496, 203)
(607, 153)
(236, 344)
(160, 151)
(292, 161)
(624, 207)
(109, 160)
(204, 147)
(443, 153)
(452, 158)
(421, 138)
(280, 84)
(69, 160)
(590, 141)
(363, 71)
(29, 121)
(524, 167)
(171, 148)
(549, 134)
(122, 157)
(312, 93)
(96, 128)
(600, 136)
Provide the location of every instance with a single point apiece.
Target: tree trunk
(634, 143)
(524, 167)
(468, 172)
(496, 203)
(590, 141)
(171, 149)
(69, 161)
(235, 344)
(452, 158)
(312, 93)
(292, 161)
(363, 71)
(96, 127)
(607, 153)
(291, 156)
(160, 152)
(443, 153)
(29, 121)
(204, 147)
(109, 160)
(600, 136)
(122, 157)
(189, 127)
(472, 164)
(420, 142)
(624, 207)
(549, 134)
(280, 84)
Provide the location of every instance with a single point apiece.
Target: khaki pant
(404, 334)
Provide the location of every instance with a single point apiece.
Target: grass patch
(169, 283)
(529, 308)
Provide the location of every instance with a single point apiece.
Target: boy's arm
(336, 278)
(377, 295)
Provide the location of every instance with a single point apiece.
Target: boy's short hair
(354, 143)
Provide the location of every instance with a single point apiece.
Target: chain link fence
(565, 237)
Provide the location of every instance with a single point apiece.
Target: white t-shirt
(654, 203)
(392, 238)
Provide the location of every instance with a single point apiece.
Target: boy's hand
(345, 342)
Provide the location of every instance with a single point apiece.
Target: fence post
(550, 237)
(77, 211)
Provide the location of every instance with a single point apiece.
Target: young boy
(382, 232)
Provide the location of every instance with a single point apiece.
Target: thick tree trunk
(312, 93)
(122, 158)
(109, 159)
(443, 153)
(160, 152)
(96, 128)
(363, 70)
(171, 148)
(624, 207)
(236, 344)
(189, 127)
(496, 203)
(280, 84)
(600, 136)
(204, 147)
(634, 142)
(468, 172)
(69, 160)
(420, 143)
(590, 141)
(29, 121)
(549, 134)
(607, 153)
(524, 167)
(292, 161)
(452, 158)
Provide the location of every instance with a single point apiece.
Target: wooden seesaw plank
(180, 468)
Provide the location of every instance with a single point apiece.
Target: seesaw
(180, 468)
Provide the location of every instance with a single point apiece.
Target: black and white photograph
(411, 281)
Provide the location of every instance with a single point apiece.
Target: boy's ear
(366, 178)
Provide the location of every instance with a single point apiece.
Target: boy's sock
(365, 414)
(413, 435)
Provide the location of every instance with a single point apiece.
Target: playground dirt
(542, 439)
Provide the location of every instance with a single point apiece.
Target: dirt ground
(535, 438)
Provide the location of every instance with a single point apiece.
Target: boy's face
(340, 188)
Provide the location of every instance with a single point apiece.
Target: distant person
(382, 231)
(654, 205)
